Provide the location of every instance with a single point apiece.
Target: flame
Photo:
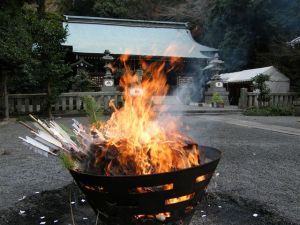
(145, 144)
(136, 140)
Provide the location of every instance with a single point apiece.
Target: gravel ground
(214, 210)
(259, 173)
(257, 165)
(288, 121)
(24, 172)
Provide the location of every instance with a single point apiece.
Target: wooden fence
(276, 99)
(67, 103)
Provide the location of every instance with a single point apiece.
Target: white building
(279, 83)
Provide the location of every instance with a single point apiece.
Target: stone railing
(67, 103)
(276, 99)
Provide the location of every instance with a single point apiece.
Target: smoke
(194, 91)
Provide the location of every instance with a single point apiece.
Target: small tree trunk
(5, 95)
(49, 105)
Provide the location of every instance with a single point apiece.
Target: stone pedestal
(216, 87)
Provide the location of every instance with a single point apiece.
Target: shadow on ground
(54, 207)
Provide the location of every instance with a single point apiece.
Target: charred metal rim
(211, 153)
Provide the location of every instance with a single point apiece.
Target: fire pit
(117, 201)
(138, 167)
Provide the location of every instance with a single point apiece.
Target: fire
(142, 143)
(136, 140)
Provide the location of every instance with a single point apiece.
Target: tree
(110, 8)
(259, 83)
(48, 54)
(82, 8)
(255, 34)
(81, 81)
(241, 30)
(15, 45)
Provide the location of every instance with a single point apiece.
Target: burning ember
(134, 141)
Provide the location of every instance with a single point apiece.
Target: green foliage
(67, 161)
(48, 54)
(110, 8)
(269, 111)
(92, 109)
(259, 83)
(81, 81)
(255, 34)
(236, 27)
(217, 99)
(284, 58)
(15, 42)
(82, 8)
(30, 44)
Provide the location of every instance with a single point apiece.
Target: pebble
(37, 192)
(20, 199)
(21, 212)
(84, 218)
(42, 217)
(203, 216)
(43, 222)
(72, 203)
(255, 214)
(55, 221)
(82, 200)
(220, 207)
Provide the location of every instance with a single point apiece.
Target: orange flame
(145, 144)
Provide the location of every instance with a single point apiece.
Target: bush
(259, 83)
(269, 111)
(216, 98)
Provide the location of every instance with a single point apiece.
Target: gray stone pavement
(272, 124)
(286, 121)
(259, 166)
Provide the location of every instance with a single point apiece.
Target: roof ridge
(250, 69)
(125, 22)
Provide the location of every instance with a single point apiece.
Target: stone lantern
(216, 83)
(108, 80)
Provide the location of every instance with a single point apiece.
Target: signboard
(219, 84)
(109, 83)
(184, 81)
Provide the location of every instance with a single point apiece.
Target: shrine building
(89, 37)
